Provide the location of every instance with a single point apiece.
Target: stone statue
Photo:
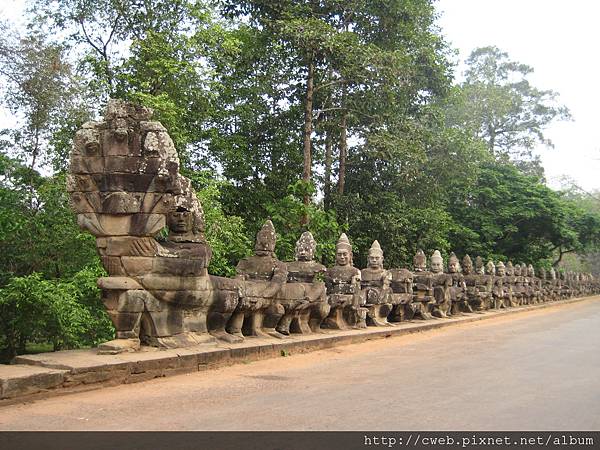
(485, 284)
(498, 294)
(375, 284)
(490, 273)
(441, 286)
(509, 284)
(259, 309)
(535, 285)
(545, 293)
(519, 289)
(554, 285)
(343, 290)
(402, 295)
(125, 187)
(472, 285)
(304, 283)
(458, 290)
(423, 299)
(527, 289)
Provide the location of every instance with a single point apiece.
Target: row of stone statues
(125, 188)
(375, 296)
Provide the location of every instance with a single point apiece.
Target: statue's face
(342, 257)
(420, 266)
(375, 261)
(468, 268)
(453, 267)
(490, 269)
(501, 271)
(180, 221)
(264, 246)
(437, 266)
(304, 253)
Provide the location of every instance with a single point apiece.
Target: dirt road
(537, 370)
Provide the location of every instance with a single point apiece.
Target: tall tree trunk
(343, 153)
(328, 164)
(308, 120)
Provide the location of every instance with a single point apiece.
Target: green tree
(509, 215)
(498, 103)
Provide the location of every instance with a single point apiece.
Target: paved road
(538, 370)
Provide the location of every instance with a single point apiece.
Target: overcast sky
(559, 39)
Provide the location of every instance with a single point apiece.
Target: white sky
(559, 39)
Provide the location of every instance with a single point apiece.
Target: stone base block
(20, 380)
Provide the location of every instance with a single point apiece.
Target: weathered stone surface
(81, 183)
(18, 380)
(126, 301)
(112, 348)
(172, 283)
(80, 204)
(181, 267)
(125, 320)
(86, 164)
(113, 266)
(132, 165)
(118, 283)
(146, 126)
(118, 143)
(87, 141)
(184, 298)
(159, 144)
(136, 266)
(157, 203)
(121, 203)
(131, 246)
(123, 182)
(121, 225)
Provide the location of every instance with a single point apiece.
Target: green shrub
(67, 314)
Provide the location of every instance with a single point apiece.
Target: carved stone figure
(471, 282)
(534, 285)
(554, 285)
(303, 283)
(527, 290)
(509, 284)
(423, 299)
(519, 289)
(125, 187)
(484, 284)
(458, 289)
(490, 271)
(498, 293)
(375, 284)
(545, 291)
(259, 309)
(402, 295)
(441, 286)
(343, 290)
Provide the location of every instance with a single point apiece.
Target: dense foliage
(325, 115)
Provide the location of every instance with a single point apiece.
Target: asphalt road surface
(538, 370)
